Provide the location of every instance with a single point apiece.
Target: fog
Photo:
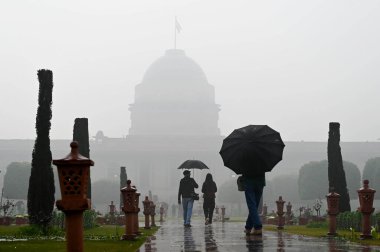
(294, 65)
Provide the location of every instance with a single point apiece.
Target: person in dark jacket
(208, 189)
(186, 189)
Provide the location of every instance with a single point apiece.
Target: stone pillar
(280, 213)
(129, 208)
(74, 172)
(152, 213)
(265, 213)
(161, 213)
(366, 196)
(136, 214)
(332, 211)
(112, 208)
(265, 209)
(223, 209)
(146, 212)
(289, 213)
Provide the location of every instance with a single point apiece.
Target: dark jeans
(253, 195)
(208, 208)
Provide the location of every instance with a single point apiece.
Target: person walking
(186, 190)
(209, 189)
(253, 190)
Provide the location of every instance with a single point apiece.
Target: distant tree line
(313, 179)
(372, 173)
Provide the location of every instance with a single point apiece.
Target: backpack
(240, 183)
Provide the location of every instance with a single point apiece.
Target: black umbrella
(193, 164)
(252, 150)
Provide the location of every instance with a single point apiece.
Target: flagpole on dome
(177, 28)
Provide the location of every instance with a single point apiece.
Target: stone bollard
(161, 213)
(332, 211)
(73, 172)
(146, 212)
(152, 213)
(264, 214)
(129, 208)
(136, 214)
(366, 196)
(288, 213)
(112, 209)
(223, 209)
(265, 209)
(280, 213)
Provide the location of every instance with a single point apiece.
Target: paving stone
(229, 236)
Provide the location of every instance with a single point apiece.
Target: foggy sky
(294, 65)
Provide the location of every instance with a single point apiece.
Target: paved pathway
(229, 236)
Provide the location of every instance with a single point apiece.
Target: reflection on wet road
(229, 236)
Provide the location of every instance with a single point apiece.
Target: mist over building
(174, 117)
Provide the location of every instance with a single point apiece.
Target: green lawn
(322, 232)
(105, 238)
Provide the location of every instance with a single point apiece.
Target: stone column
(146, 212)
(129, 208)
(332, 211)
(280, 213)
(366, 196)
(152, 213)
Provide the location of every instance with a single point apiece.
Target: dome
(174, 98)
(174, 66)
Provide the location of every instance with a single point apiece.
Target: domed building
(174, 118)
(174, 98)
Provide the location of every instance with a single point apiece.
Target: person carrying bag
(186, 190)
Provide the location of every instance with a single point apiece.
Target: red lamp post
(366, 196)
(223, 212)
(289, 212)
(280, 212)
(152, 213)
(332, 211)
(161, 213)
(73, 173)
(112, 209)
(136, 213)
(129, 208)
(146, 212)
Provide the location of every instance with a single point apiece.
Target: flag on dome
(178, 27)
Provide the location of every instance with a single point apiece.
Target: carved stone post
(161, 213)
(112, 209)
(332, 211)
(223, 212)
(136, 214)
(289, 212)
(129, 208)
(280, 213)
(366, 196)
(152, 213)
(73, 172)
(146, 212)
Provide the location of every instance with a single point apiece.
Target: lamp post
(332, 211)
(73, 172)
(161, 213)
(223, 209)
(280, 212)
(146, 204)
(366, 196)
(129, 208)
(152, 213)
(289, 212)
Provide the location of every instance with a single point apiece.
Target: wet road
(229, 236)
